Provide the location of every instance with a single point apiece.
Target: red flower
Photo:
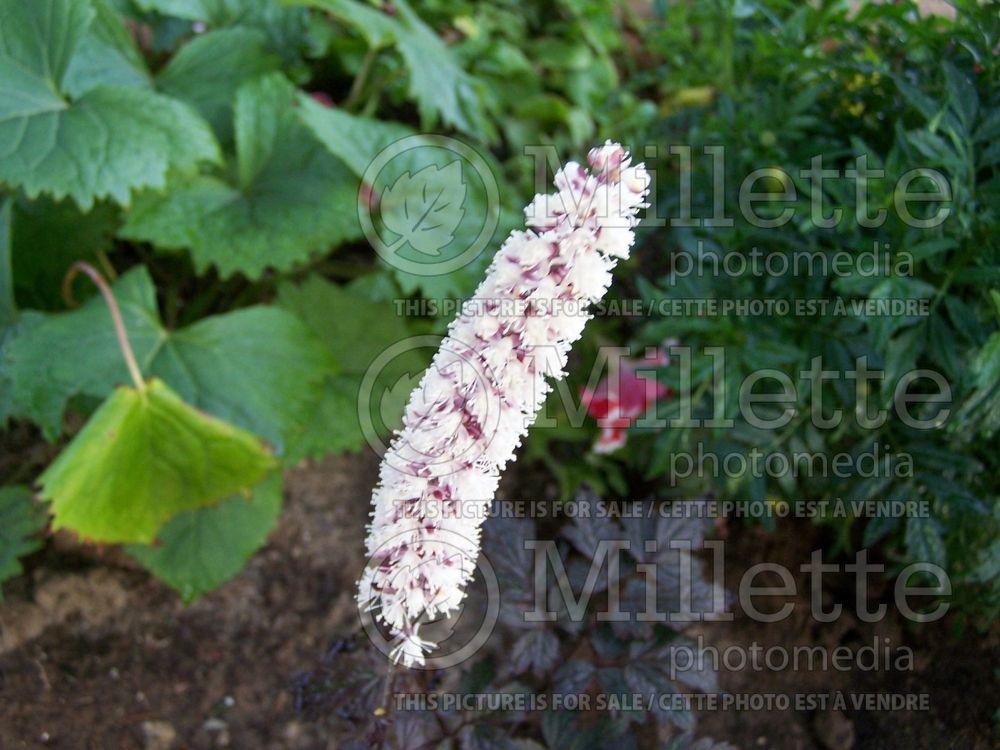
(626, 394)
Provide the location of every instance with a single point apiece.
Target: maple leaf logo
(424, 208)
(394, 398)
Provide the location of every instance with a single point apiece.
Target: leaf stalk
(116, 315)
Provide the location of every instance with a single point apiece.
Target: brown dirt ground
(94, 654)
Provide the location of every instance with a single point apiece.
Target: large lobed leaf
(283, 199)
(332, 312)
(357, 141)
(78, 135)
(107, 54)
(47, 236)
(207, 72)
(88, 362)
(197, 550)
(258, 367)
(286, 28)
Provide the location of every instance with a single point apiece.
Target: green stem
(380, 84)
(360, 79)
(116, 316)
(106, 266)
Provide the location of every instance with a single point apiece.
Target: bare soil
(94, 654)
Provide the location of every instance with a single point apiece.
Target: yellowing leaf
(258, 368)
(143, 457)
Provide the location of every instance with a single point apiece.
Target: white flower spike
(483, 390)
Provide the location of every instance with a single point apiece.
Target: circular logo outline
(385, 646)
(460, 149)
(484, 375)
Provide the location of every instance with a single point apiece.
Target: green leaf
(285, 199)
(8, 307)
(428, 207)
(206, 73)
(437, 82)
(106, 54)
(924, 542)
(334, 426)
(962, 93)
(287, 29)
(37, 41)
(932, 247)
(877, 528)
(933, 146)
(666, 445)
(900, 353)
(995, 298)
(259, 368)
(989, 128)
(108, 141)
(332, 312)
(20, 521)
(192, 10)
(763, 352)
(353, 139)
(9, 407)
(48, 237)
(895, 289)
(143, 457)
(930, 109)
(987, 563)
(941, 346)
(986, 367)
(964, 320)
(197, 550)
(89, 360)
(358, 140)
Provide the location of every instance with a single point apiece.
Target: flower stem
(116, 315)
(360, 79)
